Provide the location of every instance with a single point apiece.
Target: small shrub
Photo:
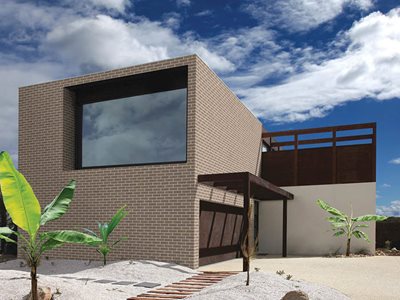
(280, 272)
(349, 226)
(105, 229)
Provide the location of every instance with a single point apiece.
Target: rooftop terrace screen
(143, 129)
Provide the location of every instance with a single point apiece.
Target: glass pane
(135, 130)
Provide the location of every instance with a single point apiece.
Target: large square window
(145, 128)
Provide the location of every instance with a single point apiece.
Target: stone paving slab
(104, 281)
(124, 282)
(147, 284)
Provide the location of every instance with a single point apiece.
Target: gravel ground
(265, 286)
(15, 281)
(361, 278)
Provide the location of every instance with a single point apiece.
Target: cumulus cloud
(301, 15)
(386, 185)
(391, 210)
(118, 5)
(395, 161)
(370, 67)
(103, 42)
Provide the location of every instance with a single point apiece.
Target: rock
(295, 295)
(394, 249)
(43, 294)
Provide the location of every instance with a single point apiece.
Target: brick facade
(162, 199)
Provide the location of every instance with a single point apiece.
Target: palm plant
(349, 226)
(25, 212)
(105, 229)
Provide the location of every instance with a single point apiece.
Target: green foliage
(24, 210)
(105, 229)
(19, 199)
(343, 224)
(59, 205)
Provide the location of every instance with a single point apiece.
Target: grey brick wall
(163, 200)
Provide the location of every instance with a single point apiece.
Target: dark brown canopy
(260, 189)
(250, 186)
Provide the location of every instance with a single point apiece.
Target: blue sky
(294, 63)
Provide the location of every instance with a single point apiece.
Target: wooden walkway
(184, 288)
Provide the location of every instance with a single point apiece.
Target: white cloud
(181, 3)
(204, 13)
(386, 185)
(302, 15)
(172, 20)
(395, 161)
(118, 5)
(370, 67)
(393, 209)
(103, 42)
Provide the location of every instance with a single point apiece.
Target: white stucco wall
(308, 231)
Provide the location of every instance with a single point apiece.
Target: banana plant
(25, 212)
(105, 229)
(349, 226)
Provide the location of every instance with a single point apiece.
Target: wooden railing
(354, 150)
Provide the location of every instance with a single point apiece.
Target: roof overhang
(260, 189)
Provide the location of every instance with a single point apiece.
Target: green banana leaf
(330, 209)
(18, 197)
(360, 234)
(50, 244)
(59, 205)
(116, 219)
(103, 228)
(90, 232)
(368, 218)
(4, 232)
(71, 236)
(338, 233)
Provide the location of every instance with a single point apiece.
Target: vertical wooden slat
(284, 229)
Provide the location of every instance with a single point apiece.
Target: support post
(246, 222)
(284, 229)
(296, 159)
(374, 152)
(334, 157)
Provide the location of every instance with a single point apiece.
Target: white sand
(264, 286)
(372, 278)
(15, 281)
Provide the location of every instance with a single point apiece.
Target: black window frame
(171, 79)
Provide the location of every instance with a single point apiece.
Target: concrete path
(371, 278)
